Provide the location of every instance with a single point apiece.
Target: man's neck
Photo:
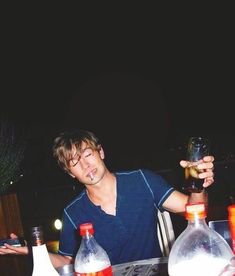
(104, 195)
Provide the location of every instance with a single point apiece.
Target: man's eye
(88, 153)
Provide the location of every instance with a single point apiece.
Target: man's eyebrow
(76, 155)
(79, 152)
(82, 150)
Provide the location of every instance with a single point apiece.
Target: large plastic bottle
(91, 258)
(198, 250)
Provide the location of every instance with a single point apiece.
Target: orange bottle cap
(195, 210)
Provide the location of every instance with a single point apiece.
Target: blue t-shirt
(131, 234)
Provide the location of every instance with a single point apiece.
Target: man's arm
(176, 201)
(56, 259)
(60, 260)
(8, 249)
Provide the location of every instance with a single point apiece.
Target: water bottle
(198, 250)
(91, 258)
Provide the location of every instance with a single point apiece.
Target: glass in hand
(198, 147)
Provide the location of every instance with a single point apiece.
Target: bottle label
(233, 245)
(105, 272)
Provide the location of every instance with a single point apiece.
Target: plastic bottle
(231, 222)
(91, 258)
(198, 250)
(42, 265)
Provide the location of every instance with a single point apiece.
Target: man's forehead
(83, 146)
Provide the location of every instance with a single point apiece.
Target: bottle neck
(37, 236)
(197, 222)
(87, 235)
(38, 242)
(196, 214)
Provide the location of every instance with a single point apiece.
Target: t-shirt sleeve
(158, 187)
(69, 237)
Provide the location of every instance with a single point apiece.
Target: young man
(122, 206)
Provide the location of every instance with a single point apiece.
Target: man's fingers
(208, 158)
(184, 163)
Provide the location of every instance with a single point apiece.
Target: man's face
(87, 166)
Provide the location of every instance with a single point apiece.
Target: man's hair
(65, 142)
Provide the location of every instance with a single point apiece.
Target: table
(154, 267)
(149, 267)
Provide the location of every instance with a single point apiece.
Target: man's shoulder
(126, 174)
(133, 172)
(78, 199)
(138, 173)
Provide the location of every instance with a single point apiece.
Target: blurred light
(58, 224)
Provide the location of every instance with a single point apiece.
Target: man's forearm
(59, 260)
(199, 197)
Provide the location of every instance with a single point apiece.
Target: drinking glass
(198, 147)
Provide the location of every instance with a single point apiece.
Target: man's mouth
(91, 175)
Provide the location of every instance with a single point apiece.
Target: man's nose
(84, 163)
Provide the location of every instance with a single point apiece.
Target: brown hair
(65, 142)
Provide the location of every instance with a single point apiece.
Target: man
(122, 206)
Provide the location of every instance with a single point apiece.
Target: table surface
(154, 267)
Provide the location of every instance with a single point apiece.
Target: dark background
(142, 78)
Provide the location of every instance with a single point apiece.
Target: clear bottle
(91, 258)
(198, 147)
(41, 261)
(198, 250)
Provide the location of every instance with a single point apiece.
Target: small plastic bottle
(91, 258)
(198, 250)
(42, 265)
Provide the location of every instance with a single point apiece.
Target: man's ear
(101, 151)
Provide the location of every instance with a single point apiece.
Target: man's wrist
(198, 197)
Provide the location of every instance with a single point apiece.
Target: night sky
(142, 79)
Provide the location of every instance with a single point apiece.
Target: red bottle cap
(86, 227)
(195, 210)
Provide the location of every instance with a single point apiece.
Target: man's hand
(206, 166)
(8, 249)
